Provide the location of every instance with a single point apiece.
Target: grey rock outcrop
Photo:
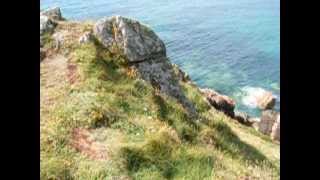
(220, 102)
(268, 118)
(145, 51)
(275, 132)
(133, 40)
(46, 24)
(52, 13)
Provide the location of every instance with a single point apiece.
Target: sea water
(232, 46)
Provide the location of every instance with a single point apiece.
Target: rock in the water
(46, 24)
(275, 133)
(220, 102)
(266, 101)
(133, 40)
(268, 118)
(52, 13)
(143, 50)
(85, 38)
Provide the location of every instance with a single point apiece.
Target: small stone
(85, 38)
(59, 38)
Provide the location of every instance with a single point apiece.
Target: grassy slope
(147, 134)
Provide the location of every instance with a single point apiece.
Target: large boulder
(267, 120)
(258, 97)
(52, 13)
(136, 42)
(266, 100)
(46, 24)
(220, 102)
(275, 132)
(145, 52)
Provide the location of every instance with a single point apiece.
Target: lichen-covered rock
(46, 24)
(144, 51)
(52, 13)
(268, 118)
(275, 132)
(134, 41)
(85, 38)
(220, 102)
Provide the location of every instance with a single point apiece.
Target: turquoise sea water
(228, 45)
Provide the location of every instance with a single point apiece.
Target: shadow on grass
(186, 165)
(186, 128)
(162, 108)
(228, 142)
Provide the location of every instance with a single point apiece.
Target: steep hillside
(102, 118)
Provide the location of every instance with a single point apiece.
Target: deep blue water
(226, 45)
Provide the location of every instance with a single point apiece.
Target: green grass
(149, 134)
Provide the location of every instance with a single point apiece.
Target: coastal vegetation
(101, 120)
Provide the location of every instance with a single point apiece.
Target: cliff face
(144, 50)
(114, 107)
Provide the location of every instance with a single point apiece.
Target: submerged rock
(145, 51)
(52, 13)
(220, 102)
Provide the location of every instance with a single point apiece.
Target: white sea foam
(252, 94)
